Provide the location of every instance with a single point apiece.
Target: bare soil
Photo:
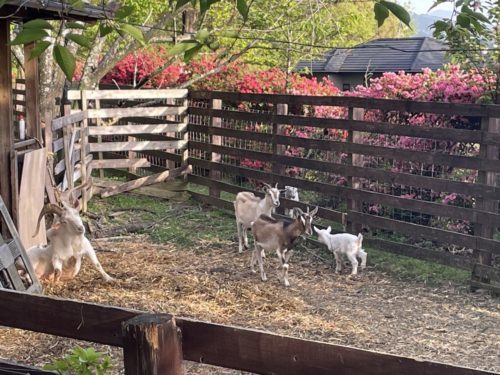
(213, 283)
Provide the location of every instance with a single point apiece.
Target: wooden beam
(136, 146)
(6, 124)
(129, 94)
(33, 125)
(139, 111)
(137, 129)
(214, 344)
(152, 344)
(145, 181)
(120, 163)
(72, 118)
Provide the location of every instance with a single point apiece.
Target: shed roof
(381, 55)
(24, 10)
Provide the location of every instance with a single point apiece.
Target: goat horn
(267, 185)
(47, 209)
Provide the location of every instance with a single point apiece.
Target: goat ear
(76, 204)
(329, 229)
(314, 212)
(276, 186)
(316, 229)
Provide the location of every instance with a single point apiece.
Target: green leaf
(440, 26)
(480, 17)
(463, 20)
(436, 3)
(78, 4)
(133, 31)
(29, 35)
(37, 24)
(124, 12)
(202, 35)
(242, 7)
(381, 13)
(65, 60)
(180, 3)
(104, 29)
(80, 40)
(75, 25)
(182, 47)
(400, 12)
(39, 48)
(229, 34)
(189, 54)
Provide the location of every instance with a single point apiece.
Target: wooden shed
(20, 11)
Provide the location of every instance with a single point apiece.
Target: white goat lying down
(279, 235)
(248, 207)
(343, 243)
(61, 258)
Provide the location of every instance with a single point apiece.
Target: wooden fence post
(280, 109)
(357, 160)
(84, 133)
(215, 140)
(489, 152)
(32, 97)
(152, 345)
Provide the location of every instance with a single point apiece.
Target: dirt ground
(213, 283)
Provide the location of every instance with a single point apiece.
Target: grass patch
(190, 225)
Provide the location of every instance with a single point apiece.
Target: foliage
(471, 28)
(81, 361)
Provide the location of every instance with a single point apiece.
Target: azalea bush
(451, 84)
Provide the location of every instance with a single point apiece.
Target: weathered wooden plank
(145, 181)
(437, 184)
(127, 112)
(226, 346)
(416, 205)
(120, 163)
(6, 110)
(10, 368)
(130, 94)
(357, 148)
(136, 129)
(31, 193)
(455, 135)
(429, 233)
(475, 285)
(483, 271)
(73, 118)
(459, 109)
(136, 146)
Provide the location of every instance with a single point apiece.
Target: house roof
(380, 55)
(24, 10)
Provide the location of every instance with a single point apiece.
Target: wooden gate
(127, 129)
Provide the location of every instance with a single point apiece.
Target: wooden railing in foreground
(207, 343)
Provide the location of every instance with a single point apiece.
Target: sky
(421, 6)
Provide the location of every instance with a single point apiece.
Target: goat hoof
(264, 278)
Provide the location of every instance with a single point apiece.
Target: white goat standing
(61, 258)
(279, 235)
(292, 193)
(343, 243)
(248, 207)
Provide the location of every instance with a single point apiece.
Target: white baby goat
(343, 243)
(61, 258)
(248, 207)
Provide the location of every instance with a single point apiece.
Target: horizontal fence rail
(240, 139)
(208, 343)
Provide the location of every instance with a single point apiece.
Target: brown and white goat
(248, 207)
(279, 235)
(61, 258)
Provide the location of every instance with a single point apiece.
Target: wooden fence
(226, 141)
(105, 132)
(206, 343)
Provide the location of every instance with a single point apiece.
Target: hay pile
(213, 283)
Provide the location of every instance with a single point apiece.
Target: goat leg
(258, 253)
(90, 252)
(354, 263)
(362, 254)
(240, 237)
(338, 261)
